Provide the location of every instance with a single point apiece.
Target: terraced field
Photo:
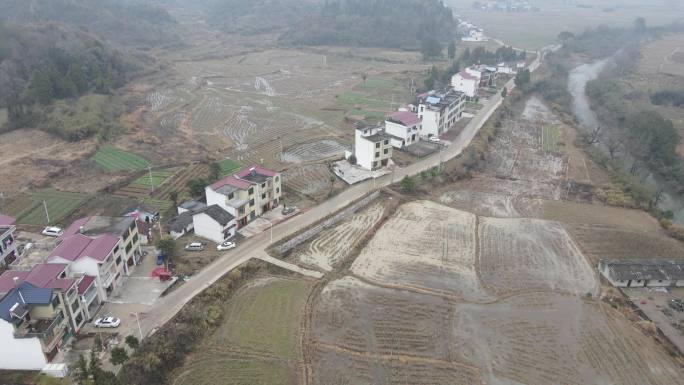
(333, 245)
(312, 151)
(29, 209)
(112, 159)
(153, 179)
(177, 183)
(229, 167)
(312, 180)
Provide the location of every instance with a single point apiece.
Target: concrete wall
(364, 151)
(403, 132)
(19, 353)
(214, 198)
(467, 86)
(207, 227)
(430, 118)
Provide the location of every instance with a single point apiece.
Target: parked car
(107, 322)
(52, 231)
(434, 139)
(227, 245)
(195, 246)
(288, 210)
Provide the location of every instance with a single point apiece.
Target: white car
(107, 322)
(195, 246)
(52, 232)
(227, 245)
(434, 139)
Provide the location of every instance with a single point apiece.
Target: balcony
(40, 328)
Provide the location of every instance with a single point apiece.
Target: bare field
(532, 255)
(312, 180)
(331, 246)
(481, 203)
(424, 247)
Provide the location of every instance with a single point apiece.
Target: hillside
(126, 22)
(44, 63)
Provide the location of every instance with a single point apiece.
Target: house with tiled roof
(78, 307)
(466, 82)
(404, 127)
(33, 326)
(8, 244)
(101, 257)
(247, 194)
(214, 223)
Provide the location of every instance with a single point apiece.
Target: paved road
(166, 307)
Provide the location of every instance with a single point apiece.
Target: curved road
(166, 307)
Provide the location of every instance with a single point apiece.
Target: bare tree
(657, 197)
(635, 168)
(594, 136)
(613, 146)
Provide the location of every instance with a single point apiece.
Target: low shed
(643, 272)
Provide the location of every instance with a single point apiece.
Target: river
(577, 84)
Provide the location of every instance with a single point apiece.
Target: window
(109, 259)
(386, 151)
(377, 154)
(263, 196)
(135, 238)
(277, 179)
(386, 142)
(129, 246)
(251, 203)
(74, 306)
(377, 145)
(118, 261)
(251, 190)
(375, 164)
(241, 210)
(277, 190)
(55, 302)
(116, 249)
(231, 196)
(263, 185)
(79, 318)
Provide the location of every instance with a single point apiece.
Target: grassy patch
(356, 99)
(368, 115)
(112, 159)
(84, 117)
(155, 179)
(161, 205)
(29, 209)
(229, 167)
(551, 136)
(264, 318)
(378, 83)
(229, 371)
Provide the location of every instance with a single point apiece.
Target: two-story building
(214, 223)
(404, 127)
(439, 111)
(8, 244)
(372, 147)
(33, 325)
(466, 83)
(247, 194)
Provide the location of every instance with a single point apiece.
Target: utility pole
(149, 168)
(137, 319)
(47, 215)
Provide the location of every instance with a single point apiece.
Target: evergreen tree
(451, 50)
(40, 87)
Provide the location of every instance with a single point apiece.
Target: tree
(166, 246)
(352, 159)
(196, 186)
(640, 25)
(466, 56)
(173, 195)
(40, 87)
(214, 172)
(119, 356)
(408, 184)
(565, 36)
(364, 76)
(451, 50)
(523, 77)
(80, 371)
(132, 342)
(504, 92)
(431, 48)
(429, 83)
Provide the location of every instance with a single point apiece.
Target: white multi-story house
(439, 111)
(404, 127)
(372, 148)
(466, 83)
(247, 194)
(8, 244)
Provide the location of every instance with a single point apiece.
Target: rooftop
(193, 205)
(6, 220)
(77, 246)
(254, 169)
(218, 214)
(645, 269)
(85, 283)
(181, 222)
(98, 225)
(24, 294)
(467, 76)
(230, 181)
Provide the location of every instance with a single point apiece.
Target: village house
(372, 148)
(214, 223)
(643, 272)
(404, 127)
(77, 294)
(439, 111)
(33, 325)
(8, 244)
(247, 194)
(466, 83)
(181, 225)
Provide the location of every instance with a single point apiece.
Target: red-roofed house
(56, 276)
(247, 194)
(101, 257)
(8, 244)
(466, 82)
(404, 128)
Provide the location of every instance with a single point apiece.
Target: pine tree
(40, 87)
(452, 50)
